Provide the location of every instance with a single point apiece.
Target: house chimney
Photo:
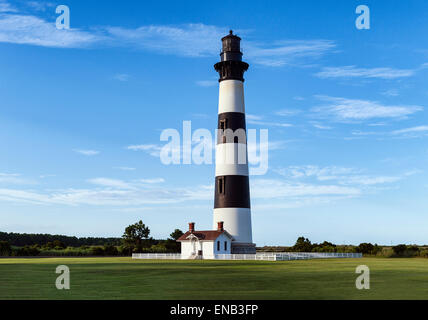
(191, 227)
(220, 226)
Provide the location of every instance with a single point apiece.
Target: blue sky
(81, 112)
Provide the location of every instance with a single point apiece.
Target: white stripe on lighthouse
(231, 96)
(231, 159)
(237, 221)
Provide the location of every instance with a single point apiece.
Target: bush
(97, 251)
(27, 251)
(399, 249)
(365, 248)
(110, 250)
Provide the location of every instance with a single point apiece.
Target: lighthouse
(232, 189)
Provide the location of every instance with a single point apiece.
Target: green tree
(135, 233)
(365, 248)
(302, 245)
(177, 233)
(110, 250)
(5, 249)
(399, 249)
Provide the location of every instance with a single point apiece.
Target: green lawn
(124, 278)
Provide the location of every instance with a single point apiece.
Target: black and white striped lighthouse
(232, 189)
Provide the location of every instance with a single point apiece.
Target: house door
(194, 246)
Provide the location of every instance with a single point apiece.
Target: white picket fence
(173, 256)
(283, 256)
(268, 256)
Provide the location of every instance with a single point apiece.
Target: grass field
(124, 278)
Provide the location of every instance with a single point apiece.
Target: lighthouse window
(221, 183)
(218, 245)
(223, 127)
(225, 246)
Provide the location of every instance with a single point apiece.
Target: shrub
(27, 251)
(97, 251)
(399, 249)
(110, 250)
(365, 248)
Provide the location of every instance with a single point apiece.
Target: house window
(218, 245)
(225, 246)
(221, 185)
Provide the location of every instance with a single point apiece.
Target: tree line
(136, 238)
(402, 250)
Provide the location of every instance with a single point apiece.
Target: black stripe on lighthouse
(232, 121)
(232, 192)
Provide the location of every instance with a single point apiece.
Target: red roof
(203, 235)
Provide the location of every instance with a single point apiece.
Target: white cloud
(341, 175)
(321, 126)
(274, 189)
(39, 6)
(188, 40)
(26, 29)
(287, 112)
(258, 120)
(154, 180)
(125, 168)
(6, 7)
(151, 149)
(121, 77)
(207, 83)
(356, 109)
(367, 180)
(112, 183)
(418, 129)
(110, 193)
(391, 93)
(191, 40)
(280, 53)
(354, 72)
(87, 152)
(14, 178)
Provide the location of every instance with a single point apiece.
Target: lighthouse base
(246, 248)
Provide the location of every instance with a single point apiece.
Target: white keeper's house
(205, 244)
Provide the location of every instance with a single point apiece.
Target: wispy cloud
(354, 72)
(413, 131)
(190, 40)
(112, 183)
(6, 7)
(279, 53)
(154, 180)
(258, 120)
(340, 175)
(14, 178)
(390, 93)
(187, 40)
(28, 29)
(151, 149)
(321, 126)
(343, 109)
(207, 83)
(287, 112)
(87, 152)
(277, 189)
(125, 168)
(121, 77)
